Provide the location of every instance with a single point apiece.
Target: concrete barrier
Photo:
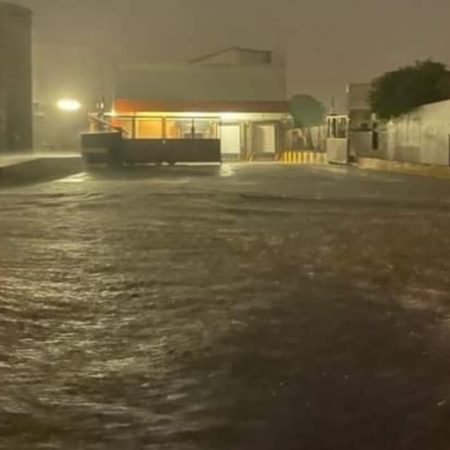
(36, 168)
(404, 167)
(302, 157)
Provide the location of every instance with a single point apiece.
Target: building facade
(15, 78)
(236, 95)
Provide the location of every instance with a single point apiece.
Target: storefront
(245, 129)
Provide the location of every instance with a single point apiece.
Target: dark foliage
(307, 111)
(400, 91)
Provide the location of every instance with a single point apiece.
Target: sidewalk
(34, 167)
(404, 167)
(7, 159)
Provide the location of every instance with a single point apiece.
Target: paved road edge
(40, 169)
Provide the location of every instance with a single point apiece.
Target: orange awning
(124, 106)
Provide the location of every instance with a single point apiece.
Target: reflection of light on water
(78, 178)
(226, 170)
(169, 182)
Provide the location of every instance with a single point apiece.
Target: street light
(69, 105)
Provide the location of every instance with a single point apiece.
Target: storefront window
(192, 128)
(206, 129)
(168, 128)
(149, 128)
(179, 129)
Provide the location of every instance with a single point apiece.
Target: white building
(237, 95)
(234, 74)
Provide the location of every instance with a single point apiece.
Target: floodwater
(256, 307)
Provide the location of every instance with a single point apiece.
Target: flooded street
(247, 307)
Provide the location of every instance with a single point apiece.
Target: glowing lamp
(69, 105)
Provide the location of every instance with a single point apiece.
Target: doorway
(231, 140)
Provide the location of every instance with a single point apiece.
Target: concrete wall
(263, 82)
(360, 143)
(423, 136)
(15, 78)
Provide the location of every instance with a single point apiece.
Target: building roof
(227, 50)
(130, 106)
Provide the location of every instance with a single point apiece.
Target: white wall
(421, 136)
(337, 150)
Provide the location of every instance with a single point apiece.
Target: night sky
(326, 43)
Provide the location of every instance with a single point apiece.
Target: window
(191, 128)
(149, 128)
(179, 129)
(337, 127)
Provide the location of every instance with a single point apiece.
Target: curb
(428, 170)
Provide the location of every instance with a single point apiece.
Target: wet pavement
(244, 307)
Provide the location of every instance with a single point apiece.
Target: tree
(400, 91)
(307, 111)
